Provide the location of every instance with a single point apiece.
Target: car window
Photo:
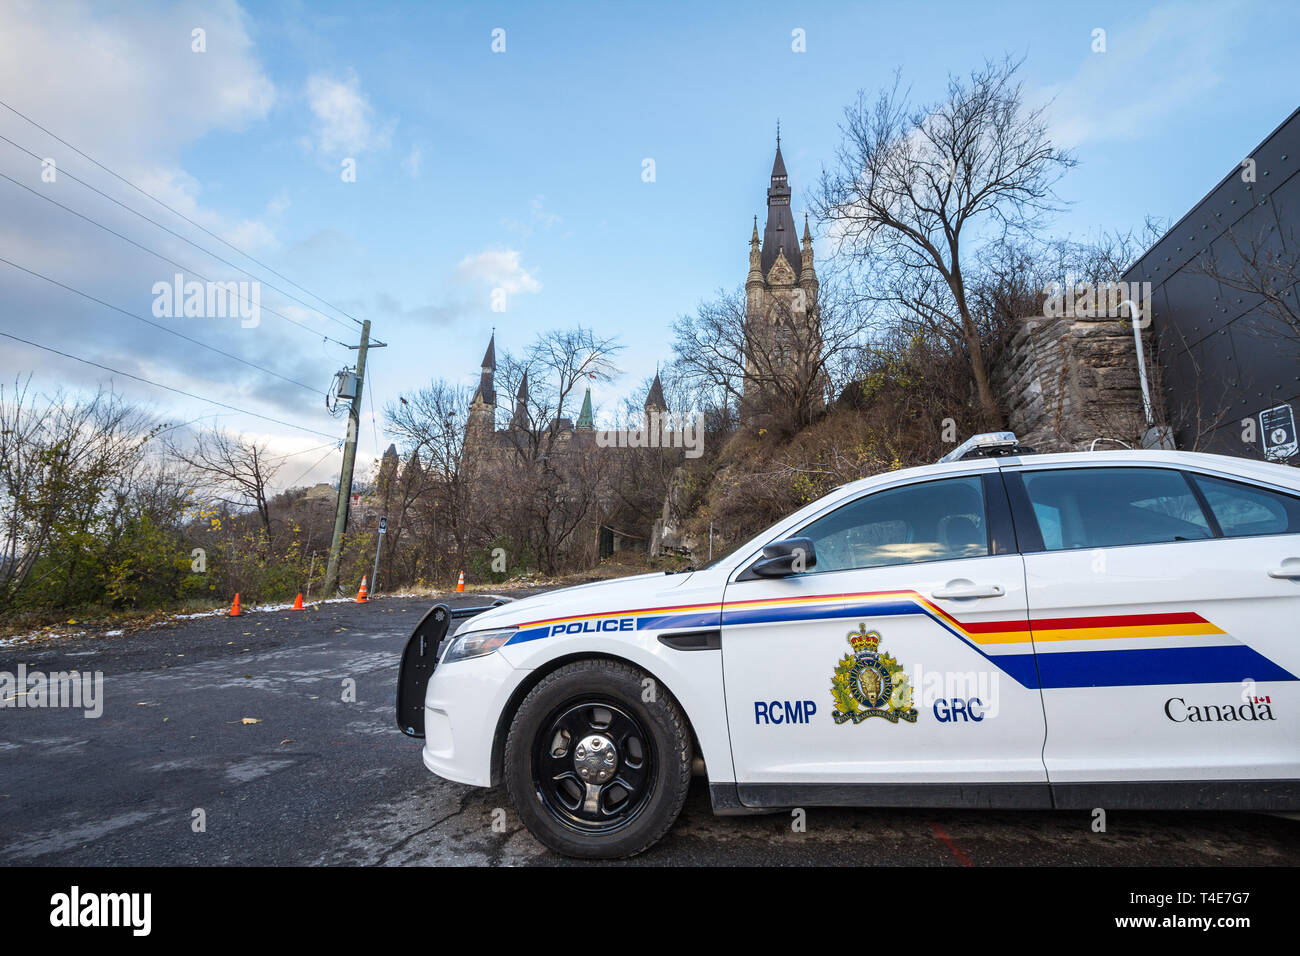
(1243, 510)
(1109, 507)
(930, 521)
(1049, 523)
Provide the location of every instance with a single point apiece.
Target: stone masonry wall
(1070, 380)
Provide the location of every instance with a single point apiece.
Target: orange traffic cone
(234, 608)
(460, 585)
(297, 603)
(361, 595)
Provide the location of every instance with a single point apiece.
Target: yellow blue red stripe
(1056, 665)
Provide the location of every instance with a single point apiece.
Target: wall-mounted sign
(1277, 431)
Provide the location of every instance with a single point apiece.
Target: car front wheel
(598, 760)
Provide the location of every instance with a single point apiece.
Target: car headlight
(475, 644)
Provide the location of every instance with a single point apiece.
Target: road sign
(383, 524)
(1277, 430)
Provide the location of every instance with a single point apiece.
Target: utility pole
(331, 583)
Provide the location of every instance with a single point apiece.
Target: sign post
(379, 543)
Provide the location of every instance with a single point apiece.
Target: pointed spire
(778, 165)
(779, 235)
(655, 398)
(753, 239)
(520, 417)
(413, 465)
(778, 168)
(808, 274)
(486, 393)
(585, 418)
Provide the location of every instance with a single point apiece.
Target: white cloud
(344, 120)
(499, 268)
(125, 79)
(123, 84)
(1151, 68)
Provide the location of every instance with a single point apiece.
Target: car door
(898, 668)
(1163, 607)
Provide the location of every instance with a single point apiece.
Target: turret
(586, 420)
(656, 409)
(520, 418)
(808, 276)
(754, 281)
(483, 407)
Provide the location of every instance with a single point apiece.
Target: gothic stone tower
(781, 328)
(481, 427)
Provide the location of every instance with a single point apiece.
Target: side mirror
(783, 558)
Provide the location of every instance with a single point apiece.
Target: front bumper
(462, 706)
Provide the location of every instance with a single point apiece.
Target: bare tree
(911, 183)
(230, 468)
(715, 351)
(556, 365)
(433, 492)
(548, 483)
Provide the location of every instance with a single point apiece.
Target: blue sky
(522, 170)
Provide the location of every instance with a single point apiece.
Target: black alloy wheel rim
(593, 766)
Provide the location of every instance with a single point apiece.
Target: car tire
(591, 719)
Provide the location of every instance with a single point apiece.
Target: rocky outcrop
(1069, 381)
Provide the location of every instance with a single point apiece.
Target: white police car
(1113, 629)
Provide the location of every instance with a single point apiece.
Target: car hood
(617, 594)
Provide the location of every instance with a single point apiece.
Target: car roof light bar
(983, 445)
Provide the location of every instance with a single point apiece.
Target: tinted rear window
(1110, 507)
(1244, 510)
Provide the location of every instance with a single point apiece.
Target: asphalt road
(318, 780)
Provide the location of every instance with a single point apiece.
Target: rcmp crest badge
(868, 683)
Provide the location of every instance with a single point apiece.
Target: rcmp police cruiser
(999, 629)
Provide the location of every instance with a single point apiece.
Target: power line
(193, 421)
(158, 325)
(159, 255)
(314, 466)
(374, 428)
(173, 232)
(305, 451)
(175, 211)
(117, 371)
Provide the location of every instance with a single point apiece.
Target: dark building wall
(1216, 366)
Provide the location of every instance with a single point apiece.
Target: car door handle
(968, 590)
(1290, 572)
